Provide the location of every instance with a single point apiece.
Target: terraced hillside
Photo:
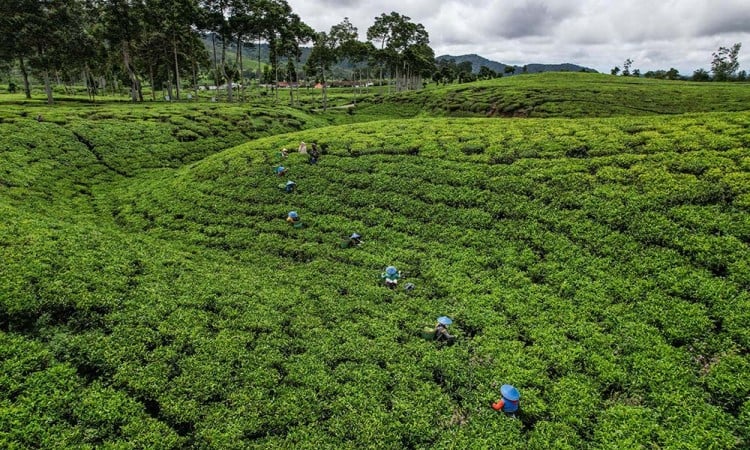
(158, 299)
(565, 95)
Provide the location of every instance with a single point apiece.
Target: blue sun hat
(290, 183)
(355, 236)
(391, 271)
(279, 169)
(445, 320)
(293, 214)
(510, 393)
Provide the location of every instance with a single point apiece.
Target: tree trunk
(135, 89)
(242, 72)
(257, 78)
(85, 78)
(25, 74)
(224, 70)
(151, 80)
(176, 69)
(290, 86)
(47, 87)
(216, 69)
(276, 81)
(325, 91)
(195, 79)
(59, 82)
(115, 87)
(169, 85)
(90, 82)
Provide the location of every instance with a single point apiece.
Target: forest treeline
(108, 44)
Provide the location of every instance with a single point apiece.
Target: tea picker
(391, 276)
(280, 171)
(314, 153)
(294, 219)
(352, 241)
(441, 330)
(508, 402)
(289, 186)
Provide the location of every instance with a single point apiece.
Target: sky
(599, 34)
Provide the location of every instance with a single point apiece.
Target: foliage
(725, 63)
(152, 295)
(561, 95)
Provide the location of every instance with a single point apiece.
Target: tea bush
(153, 296)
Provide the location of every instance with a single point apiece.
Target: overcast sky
(600, 34)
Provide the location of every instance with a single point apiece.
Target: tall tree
(216, 20)
(361, 52)
(626, 67)
(701, 75)
(207, 20)
(396, 34)
(320, 60)
(174, 21)
(330, 48)
(486, 73)
(420, 63)
(123, 29)
(725, 62)
(274, 20)
(57, 39)
(294, 34)
(246, 22)
(16, 20)
(446, 71)
(382, 32)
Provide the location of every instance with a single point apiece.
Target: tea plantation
(152, 294)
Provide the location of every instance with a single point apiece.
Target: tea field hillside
(564, 95)
(152, 294)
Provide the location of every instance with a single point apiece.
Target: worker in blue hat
(352, 241)
(293, 218)
(441, 330)
(508, 402)
(391, 276)
(290, 186)
(280, 171)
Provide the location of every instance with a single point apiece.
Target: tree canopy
(725, 63)
(116, 44)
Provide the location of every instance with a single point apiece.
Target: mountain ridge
(478, 61)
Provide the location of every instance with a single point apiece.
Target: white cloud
(594, 33)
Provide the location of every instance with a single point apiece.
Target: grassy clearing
(152, 295)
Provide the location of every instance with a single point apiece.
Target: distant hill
(479, 61)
